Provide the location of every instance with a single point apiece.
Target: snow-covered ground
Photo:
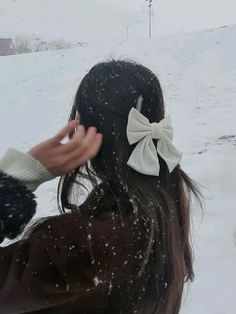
(198, 74)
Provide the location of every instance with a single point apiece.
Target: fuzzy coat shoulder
(17, 206)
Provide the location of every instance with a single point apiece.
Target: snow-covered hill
(198, 74)
(93, 20)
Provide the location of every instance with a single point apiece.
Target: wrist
(25, 168)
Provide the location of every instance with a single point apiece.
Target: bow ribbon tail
(169, 153)
(144, 158)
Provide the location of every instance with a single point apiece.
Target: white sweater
(25, 168)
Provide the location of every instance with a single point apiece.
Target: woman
(126, 248)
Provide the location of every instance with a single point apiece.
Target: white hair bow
(144, 157)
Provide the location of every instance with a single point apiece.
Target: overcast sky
(109, 18)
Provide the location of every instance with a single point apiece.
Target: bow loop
(144, 158)
(138, 126)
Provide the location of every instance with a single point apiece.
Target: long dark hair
(160, 205)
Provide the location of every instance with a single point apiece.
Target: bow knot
(156, 131)
(144, 158)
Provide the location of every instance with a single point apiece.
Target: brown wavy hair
(104, 99)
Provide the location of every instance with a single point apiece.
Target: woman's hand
(59, 158)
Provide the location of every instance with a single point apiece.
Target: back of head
(104, 99)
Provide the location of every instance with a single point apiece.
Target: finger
(91, 152)
(88, 139)
(75, 142)
(73, 164)
(65, 131)
(96, 146)
(81, 147)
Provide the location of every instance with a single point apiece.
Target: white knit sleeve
(25, 168)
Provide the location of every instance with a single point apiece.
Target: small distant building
(6, 46)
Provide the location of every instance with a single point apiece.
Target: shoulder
(102, 232)
(17, 206)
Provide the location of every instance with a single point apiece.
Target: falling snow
(198, 75)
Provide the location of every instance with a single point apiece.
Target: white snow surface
(198, 75)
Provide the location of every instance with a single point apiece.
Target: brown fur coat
(74, 263)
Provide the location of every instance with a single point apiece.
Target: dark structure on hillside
(6, 46)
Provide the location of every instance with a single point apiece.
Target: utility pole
(127, 31)
(150, 17)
